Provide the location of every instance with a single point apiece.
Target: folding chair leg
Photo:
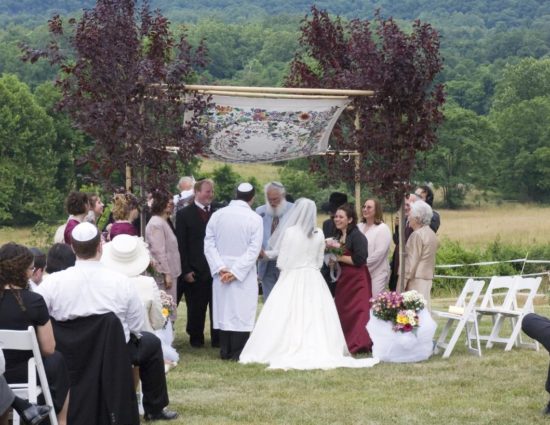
(495, 332)
(453, 340)
(442, 336)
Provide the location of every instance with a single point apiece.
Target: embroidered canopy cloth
(255, 129)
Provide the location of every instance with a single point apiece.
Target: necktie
(274, 224)
(207, 209)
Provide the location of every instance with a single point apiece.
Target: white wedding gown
(298, 327)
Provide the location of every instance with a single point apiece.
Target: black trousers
(198, 298)
(56, 372)
(538, 328)
(232, 343)
(147, 354)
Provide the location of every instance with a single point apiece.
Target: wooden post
(402, 257)
(128, 178)
(357, 177)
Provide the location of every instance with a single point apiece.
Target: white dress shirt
(90, 288)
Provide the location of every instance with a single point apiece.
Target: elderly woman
(19, 309)
(379, 240)
(420, 250)
(163, 244)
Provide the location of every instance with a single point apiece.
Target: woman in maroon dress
(125, 211)
(353, 289)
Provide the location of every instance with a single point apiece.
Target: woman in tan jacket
(420, 251)
(163, 244)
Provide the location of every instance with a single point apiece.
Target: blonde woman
(125, 211)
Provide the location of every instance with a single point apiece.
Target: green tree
(524, 133)
(463, 156)
(526, 80)
(27, 159)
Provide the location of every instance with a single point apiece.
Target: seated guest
(128, 255)
(77, 205)
(60, 257)
(30, 413)
(19, 309)
(125, 212)
(38, 271)
(89, 288)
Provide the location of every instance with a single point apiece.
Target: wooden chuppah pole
(357, 170)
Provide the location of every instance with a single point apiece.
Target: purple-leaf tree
(402, 116)
(122, 85)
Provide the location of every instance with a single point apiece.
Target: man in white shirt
(89, 288)
(232, 244)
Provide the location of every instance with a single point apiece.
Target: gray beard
(277, 211)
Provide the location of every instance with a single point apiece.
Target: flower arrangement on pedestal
(400, 327)
(400, 309)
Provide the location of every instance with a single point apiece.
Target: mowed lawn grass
(499, 387)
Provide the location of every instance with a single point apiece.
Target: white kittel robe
(233, 241)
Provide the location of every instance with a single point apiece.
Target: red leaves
(113, 89)
(401, 118)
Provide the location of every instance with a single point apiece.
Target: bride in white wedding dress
(298, 327)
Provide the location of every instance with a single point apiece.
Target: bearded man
(273, 213)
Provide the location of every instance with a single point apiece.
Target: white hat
(245, 187)
(126, 254)
(84, 232)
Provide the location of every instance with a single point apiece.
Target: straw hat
(126, 254)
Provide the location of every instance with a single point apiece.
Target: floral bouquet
(333, 249)
(168, 305)
(399, 309)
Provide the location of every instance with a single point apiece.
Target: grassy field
(500, 387)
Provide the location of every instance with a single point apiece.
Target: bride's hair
(302, 215)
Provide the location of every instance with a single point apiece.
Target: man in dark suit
(195, 280)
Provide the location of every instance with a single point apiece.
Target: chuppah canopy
(269, 124)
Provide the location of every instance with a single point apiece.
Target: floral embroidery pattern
(269, 130)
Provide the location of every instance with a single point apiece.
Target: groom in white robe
(232, 244)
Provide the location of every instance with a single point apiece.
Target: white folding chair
(500, 294)
(525, 290)
(465, 317)
(26, 340)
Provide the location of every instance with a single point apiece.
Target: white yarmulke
(245, 187)
(84, 232)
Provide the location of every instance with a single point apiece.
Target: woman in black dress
(21, 308)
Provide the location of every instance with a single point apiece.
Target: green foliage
(42, 235)
(452, 252)
(463, 157)
(524, 133)
(27, 158)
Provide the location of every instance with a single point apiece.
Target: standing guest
(29, 413)
(187, 192)
(125, 212)
(163, 245)
(96, 208)
(409, 200)
(329, 230)
(420, 251)
(19, 309)
(77, 205)
(272, 213)
(195, 280)
(60, 257)
(89, 288)
(379, 240)
(538, 328)
(427, 195)
(38, 270)
(232, 244)
(353, 291)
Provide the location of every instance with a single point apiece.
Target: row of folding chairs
(507, 299)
